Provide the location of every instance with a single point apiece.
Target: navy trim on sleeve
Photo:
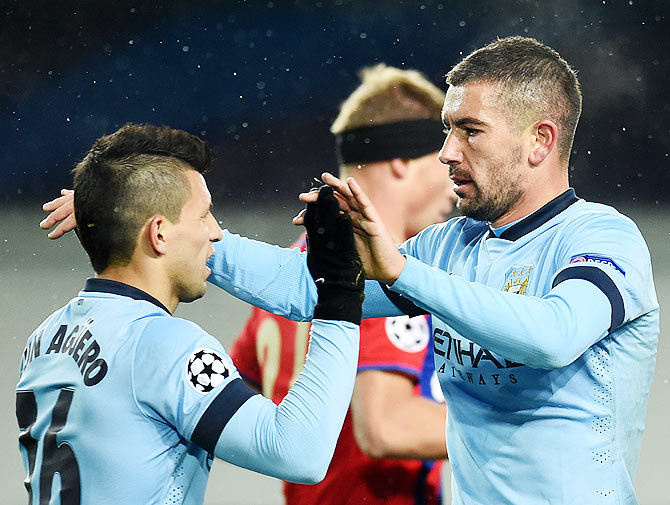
(256, 386)
(212, 422)
(403, 304)
(602, 281)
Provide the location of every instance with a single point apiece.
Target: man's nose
(450, 152)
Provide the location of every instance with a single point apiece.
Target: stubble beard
(498, 199)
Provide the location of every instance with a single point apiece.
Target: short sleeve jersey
(522, 435)
(114, 396)
(269, 353)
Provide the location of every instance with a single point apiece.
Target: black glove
(333, 261)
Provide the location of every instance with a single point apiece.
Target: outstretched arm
(582, 308)
(273, 278)
(296, 439)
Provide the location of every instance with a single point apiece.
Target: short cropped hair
(388, 95)
(125, 179)
(535, 83)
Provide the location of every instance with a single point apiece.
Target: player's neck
(534, 197)
(152, 285)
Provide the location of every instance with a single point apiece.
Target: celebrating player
(128, 404)
(545, 317)
(387, 133)
(544, 311)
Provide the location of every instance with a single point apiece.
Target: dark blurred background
(262, 81)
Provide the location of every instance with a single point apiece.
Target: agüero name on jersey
(80, 345)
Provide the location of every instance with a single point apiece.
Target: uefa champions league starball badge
(205, 370)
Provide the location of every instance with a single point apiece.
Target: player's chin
(193, 293)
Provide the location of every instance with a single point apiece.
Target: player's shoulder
(442, 239)
(597, 213)
(166, 334)
(593, 217)
(168, 327)
(594, 232)
(409, 334)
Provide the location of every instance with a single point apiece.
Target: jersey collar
(539, 217)
(119, 288)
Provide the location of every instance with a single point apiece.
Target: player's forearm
(412, 428)
(273, 278)
(295, 440)
(276, 279)
(548, 332)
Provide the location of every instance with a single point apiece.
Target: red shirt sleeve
(395, 344)
(243, 351)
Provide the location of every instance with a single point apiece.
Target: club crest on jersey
(594, 258)
(517, 279)
(408, 334)
(205, 370)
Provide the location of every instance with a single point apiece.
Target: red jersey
(270, 353)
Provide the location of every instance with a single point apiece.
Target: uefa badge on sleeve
(205, 370)
(409, 334)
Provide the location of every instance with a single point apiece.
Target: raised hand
(332, 259)
(61, 212)
(379, 254)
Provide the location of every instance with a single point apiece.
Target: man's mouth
(460, 182)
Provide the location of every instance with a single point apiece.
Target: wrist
(395, 269)
(338, 303)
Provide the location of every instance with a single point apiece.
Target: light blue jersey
(545, 341)
(119, 402)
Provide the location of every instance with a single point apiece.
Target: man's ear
(399, 167)
(156, 229)
(545, 137)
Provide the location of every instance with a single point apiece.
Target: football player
(120, 402)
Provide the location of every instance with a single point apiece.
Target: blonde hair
(387, 95)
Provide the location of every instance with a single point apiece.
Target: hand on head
(61, 212)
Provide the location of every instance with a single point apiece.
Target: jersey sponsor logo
(481, 379)
(465, 352)
(205, 370)
(594, 258)
(409, 334)
(517, 279)
(465, 356)
(435, 388)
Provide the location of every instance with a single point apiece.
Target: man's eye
(470, 132)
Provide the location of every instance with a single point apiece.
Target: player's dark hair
(535, 82)
(125, 179)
